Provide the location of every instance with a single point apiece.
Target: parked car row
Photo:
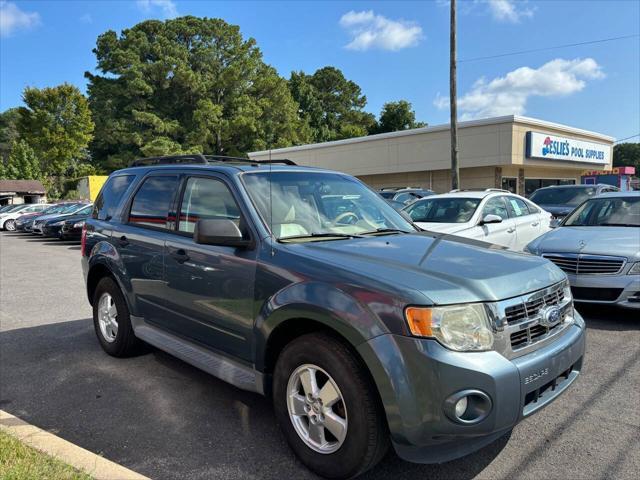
(62, 220)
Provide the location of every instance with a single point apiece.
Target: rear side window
(206, 198)
(151, 203)
(110, 196)
(518, 207)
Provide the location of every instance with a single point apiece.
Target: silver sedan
(598, 247)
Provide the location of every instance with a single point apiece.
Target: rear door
(210, 288)
(140, 238)
(527, 222)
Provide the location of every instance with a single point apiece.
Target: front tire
(10, 225)
(328, 408)
(111, 320)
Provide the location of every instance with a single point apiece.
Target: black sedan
(52, 227)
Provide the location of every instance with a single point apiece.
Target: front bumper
(621, 290)
(415, 376)
(52, 230)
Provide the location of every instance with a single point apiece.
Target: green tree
(22, 163)
(186, 85)
(8, 131)
(397, 116)
(57, 124)
(627, 155)
(330, 104)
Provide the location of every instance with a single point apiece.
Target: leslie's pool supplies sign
(552, 147)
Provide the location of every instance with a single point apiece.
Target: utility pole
(455, 171)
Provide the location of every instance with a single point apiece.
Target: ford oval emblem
(550, 316)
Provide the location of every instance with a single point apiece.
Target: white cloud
(168, 7)
(12, 18)
(86, 18)
(369, 30)
(508, 95)
(509, 10)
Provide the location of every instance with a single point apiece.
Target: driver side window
(206, 198)
(495, 206)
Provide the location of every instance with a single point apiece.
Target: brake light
(83, 240)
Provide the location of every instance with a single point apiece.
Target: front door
(210, 288)
(503, 233)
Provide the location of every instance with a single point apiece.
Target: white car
(8, 218)
(491, 215)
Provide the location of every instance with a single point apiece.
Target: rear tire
(112, 322)
(10, 225)
(361, 435)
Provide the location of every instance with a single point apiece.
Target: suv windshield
(443, 210)
(600, 212)
(324, 205)
(562, 196)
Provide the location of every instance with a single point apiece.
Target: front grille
(583, 264)
(537, 332)
(531, 307)
(597, 294)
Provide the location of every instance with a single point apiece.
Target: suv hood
(445, 269)
(619, 241)
(558, 210)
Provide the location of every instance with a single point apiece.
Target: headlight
(463, 328)
(78, 225)
(57, 224)
(635, 269)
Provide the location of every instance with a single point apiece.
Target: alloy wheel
(317, 409)
(108, 317)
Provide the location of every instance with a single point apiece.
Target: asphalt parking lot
(165, 419)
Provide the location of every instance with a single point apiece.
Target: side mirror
(219, 232)
(490, 218)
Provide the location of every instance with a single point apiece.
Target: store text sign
(541, 145)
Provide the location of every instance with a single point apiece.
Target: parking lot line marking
(98, 467)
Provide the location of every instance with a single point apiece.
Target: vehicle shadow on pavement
(606, 317)
(160, 416)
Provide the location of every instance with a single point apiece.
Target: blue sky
(393, 50)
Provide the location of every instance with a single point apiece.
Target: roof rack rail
(479, 190)
(198, 158)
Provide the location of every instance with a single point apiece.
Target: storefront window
(532, 184)
(510, 184)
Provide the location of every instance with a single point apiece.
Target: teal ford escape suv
(306, 286)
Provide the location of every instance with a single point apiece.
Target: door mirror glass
(217, 231)
(490, 218)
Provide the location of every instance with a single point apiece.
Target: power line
(521, 52)
(627, 138)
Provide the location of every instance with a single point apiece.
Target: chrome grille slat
(585, 264)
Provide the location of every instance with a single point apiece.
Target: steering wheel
(343, 215)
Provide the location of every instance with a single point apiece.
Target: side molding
(220, 366)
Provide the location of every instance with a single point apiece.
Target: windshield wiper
(605, 224)
(384, 231)
(320, 235)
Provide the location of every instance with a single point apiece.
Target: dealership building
(516, 153)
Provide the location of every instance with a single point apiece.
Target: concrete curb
(98, 467)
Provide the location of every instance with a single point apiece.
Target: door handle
(180, 255)
(511, 230)
(535, 224)
(123, 241)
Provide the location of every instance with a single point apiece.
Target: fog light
(468, 407)
(461, 406)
